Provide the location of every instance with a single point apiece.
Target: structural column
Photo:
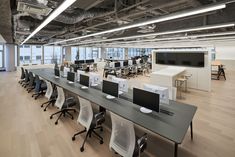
(103, 53)
(126, 54)
(68, 53)
(10, 57)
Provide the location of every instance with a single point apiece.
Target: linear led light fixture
(225, 25)
(157, 20)
(52, 16)
(173, 39)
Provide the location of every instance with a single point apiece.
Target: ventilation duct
(73, 19)
(32, 7)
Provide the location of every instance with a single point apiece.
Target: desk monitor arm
(145, 110)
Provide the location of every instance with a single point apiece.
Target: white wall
(201, 77)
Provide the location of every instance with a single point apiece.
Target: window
(48, 54)
(58, 54)
(25, 54)
(88, 53)
(82, 53)
(74, 51)
(115, 53)
(36, 54)
(85, 53)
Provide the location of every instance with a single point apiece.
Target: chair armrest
(142, 142)
(99, 118)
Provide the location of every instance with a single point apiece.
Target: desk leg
(191, 128)
(176, 150)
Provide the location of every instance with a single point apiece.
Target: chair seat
(69, 103)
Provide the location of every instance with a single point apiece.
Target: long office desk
(170, 126)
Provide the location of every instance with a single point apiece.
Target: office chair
(40, 87)
(64, 105)
(50, 95)
(26, 80)
(125, 73)
(22, 77)
(134, 71)
(90, 121)
(84, 67)
(31, 84)
(94, 67)
(123, 140)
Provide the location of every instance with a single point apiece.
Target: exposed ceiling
(91, 16)
(5, 22)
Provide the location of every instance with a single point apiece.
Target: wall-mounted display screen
(190, 59)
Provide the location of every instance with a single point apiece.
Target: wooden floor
(27, 131)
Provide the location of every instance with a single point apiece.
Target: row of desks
(170, 126)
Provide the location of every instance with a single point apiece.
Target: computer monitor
(90, 61)
(95, 79)
(71, 77)
(57, 73)
(79, 62)
(117, 64)
(84, 80)
(134, 62)
(110, 88)
(148, 101)
(125, 63)
(162, 91)
(78, 74)
(123, 84)
(130, 62)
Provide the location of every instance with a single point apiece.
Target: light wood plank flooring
(27, 131)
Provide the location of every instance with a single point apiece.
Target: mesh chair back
(49, 91)
(61, 98)
(26, 75)
(22, 73)
(38, 84)
(86, 113)
(122, 136)
(31, 79)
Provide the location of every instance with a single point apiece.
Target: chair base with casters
(36, 95)
(63, 112)
(66, 109)
(30, 88)
(97, 121)
(50, 102)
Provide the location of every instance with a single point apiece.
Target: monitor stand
(120, 92)
(70, 82)
(94, 85)
(110, 97)
(145, 110)
(57, 77)
(84, 87)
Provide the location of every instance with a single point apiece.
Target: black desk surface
(172, 127)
